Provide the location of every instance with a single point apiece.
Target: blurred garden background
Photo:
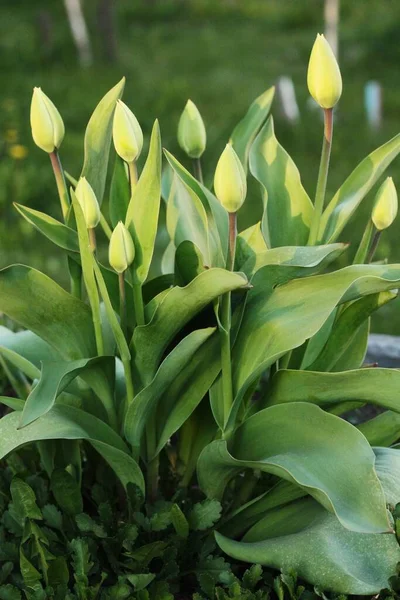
(221, 54)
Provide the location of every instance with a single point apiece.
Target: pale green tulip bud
(191, 131)
(121, 250)
(230, 180)
(46, 122)
(127, 134)
(88, 203)
(323, 78)
(385, 208)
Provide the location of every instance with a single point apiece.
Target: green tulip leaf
(250, 244)
(323, 454)
(179, 385)
(98, 140)
(186, 218)
(56, 377)
(246, 130)
(144, 205)
(20, 363)
(37, 303)
(278, 318)
(379, 387)
(303, 537)
(176, 308)
(27, 345)
(383, 430)
(288, 210)
(349, 196)
(217, 217)
(67, 422)
(56, 232)
(119, 193)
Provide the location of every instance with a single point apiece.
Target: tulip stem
(92, 239)
(60, 181)
(122, 302)
(138, 303)
(225, 329)
(198, 171)
(322, 176)
(362, 251)
(374, 245)
(133, 175)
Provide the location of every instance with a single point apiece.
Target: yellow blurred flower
(11, 136)
(18, 151)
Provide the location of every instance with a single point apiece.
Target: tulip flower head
(191, 131)
(385, 207)
(121, 251)
(127, 133)
(46, 122)
(230, 180)
(88, 203)
(323, 78)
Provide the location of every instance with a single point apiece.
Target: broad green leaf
(178, 387)
(249, 244)
(36, 302)
(379, 387)
(21, 363)
(119, 192)
(66, 422)
(354, 355)
(346, 327)
(314, 258)
(279, 318)
(304, 538)
(13, 403)
(189, 263)
(383, 430)
(98, 140)
(186, 218)
(217, 217)
(288, 210)
(246, 130)
(301, 536)
(54, 230)
(144, 205)
(27, 345)
(349, 196)
(177, 307)
(323, 454)
(56, 376)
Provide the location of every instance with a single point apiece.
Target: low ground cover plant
(176, 424)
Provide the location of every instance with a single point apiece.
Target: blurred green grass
(221, 55)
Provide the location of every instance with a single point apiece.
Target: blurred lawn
(221, 54)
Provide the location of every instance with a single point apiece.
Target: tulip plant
(206, 370)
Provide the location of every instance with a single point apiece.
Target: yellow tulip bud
(230, 180)
(127, 134)
(88, 203)
(46, 122)
(121, 251)
(191, 131)
(385, 208)
(323, 78)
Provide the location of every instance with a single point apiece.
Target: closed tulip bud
(121, 251)
(46, 122)
(191, 131)
(230, 180)
(323, 78)
(127, 134)
(88, 203)
(385, 208)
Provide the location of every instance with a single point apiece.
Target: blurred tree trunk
(79, 31)
(331, 14)
(107, 29)
(45, 33)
